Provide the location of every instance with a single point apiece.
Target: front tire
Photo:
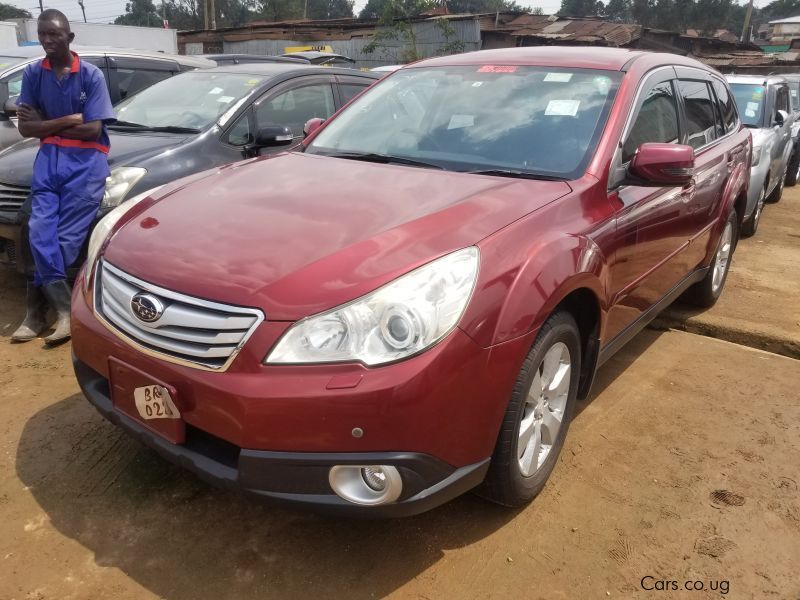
(538, 414)
(793, 171)
(750, 226)
(705, 293)
(777, 193)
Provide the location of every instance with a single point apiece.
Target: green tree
(12, 12)
(142, 13)
(330, 9)
(580, 8)
(396, 27)
(618, 11)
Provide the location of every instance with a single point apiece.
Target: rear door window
(701, 125)
(657, 120)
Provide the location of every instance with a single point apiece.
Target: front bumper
(292, 477)
(275, 431)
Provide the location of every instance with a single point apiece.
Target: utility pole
(746, 28)
(41, 8)
(305, 10)
(214, 15)
(80, 2)
(205, 14)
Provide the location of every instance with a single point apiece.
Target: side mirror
(10, 107)
(312, 125)
(274, 135)
(662, 164)
(780, 117)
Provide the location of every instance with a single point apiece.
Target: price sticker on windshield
(497, 69)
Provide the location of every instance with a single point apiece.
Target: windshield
(750, 102)
(537, 121)
(192, 100)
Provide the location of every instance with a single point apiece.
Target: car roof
(245, 58)
(755, 79)
(29, 52)
(579, 57)
(267, 68)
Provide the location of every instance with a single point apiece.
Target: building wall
(784, 32)
(111, 36)
(430, 42)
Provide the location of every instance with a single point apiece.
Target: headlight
(395, 321)
(104, 227)
(119, 183)
(756, 156)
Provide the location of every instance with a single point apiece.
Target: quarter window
(726, 105)
(350, 91)
(296, 106)
(782, 100)
(700, 123)
(657, 120)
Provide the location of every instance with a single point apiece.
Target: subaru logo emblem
(147, 307)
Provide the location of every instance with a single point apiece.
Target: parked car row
(405, 302)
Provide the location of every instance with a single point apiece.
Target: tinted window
(296, 106)
(135, 80)
(782, 101)
(350, 91)
(726, 105)
(750, 102)
(239, 135)
(700, 122)
(657, 120)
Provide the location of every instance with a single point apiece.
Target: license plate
(155, 402)
(144, 398)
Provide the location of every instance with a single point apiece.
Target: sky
(105, 11)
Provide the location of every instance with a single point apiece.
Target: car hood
(16, 162)
(761, 136)
(297, 234)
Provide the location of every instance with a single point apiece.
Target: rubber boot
(34, 322)
(58, 296)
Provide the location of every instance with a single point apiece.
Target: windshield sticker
(225, 99)
(558, 77)
(749, 113)
(752, 107)
(251, 82)
(477, 84)
(216, 90)
(459, 121)
(562, 108)
(497, 69)
(757, 93)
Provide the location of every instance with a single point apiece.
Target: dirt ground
(682, 466)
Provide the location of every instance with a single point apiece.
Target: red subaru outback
(409, 306)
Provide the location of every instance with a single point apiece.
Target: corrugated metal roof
(592, 31)
(787, 20)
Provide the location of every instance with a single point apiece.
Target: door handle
(687, 192)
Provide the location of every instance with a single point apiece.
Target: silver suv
(765, 107)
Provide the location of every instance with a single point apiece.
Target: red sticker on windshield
(497, 69)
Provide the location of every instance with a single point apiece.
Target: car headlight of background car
(119, 183)
(395, 321)
(103, 229)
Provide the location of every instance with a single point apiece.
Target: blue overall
(68, 175)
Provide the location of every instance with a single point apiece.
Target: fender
(525, 289)
(737, 183)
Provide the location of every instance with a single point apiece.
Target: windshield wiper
(384, 159)
(514, 173)
(163, 129)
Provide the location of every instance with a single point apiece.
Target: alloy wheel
(544, 409)
(723, 257)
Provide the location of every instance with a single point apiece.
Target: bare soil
(684, 465)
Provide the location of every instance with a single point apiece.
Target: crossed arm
(32, 124)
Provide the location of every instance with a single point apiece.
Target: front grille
(190, 331)
(12, 197)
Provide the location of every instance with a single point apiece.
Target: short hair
(52, 14)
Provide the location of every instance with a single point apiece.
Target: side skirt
(624, 336)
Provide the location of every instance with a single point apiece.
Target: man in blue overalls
(65, 103)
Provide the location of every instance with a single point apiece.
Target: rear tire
(777, 193)
(793, 171)
(705, 293)
(750, 226)
(538, 414)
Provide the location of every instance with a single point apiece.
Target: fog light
(374, 478)
(366, 484)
